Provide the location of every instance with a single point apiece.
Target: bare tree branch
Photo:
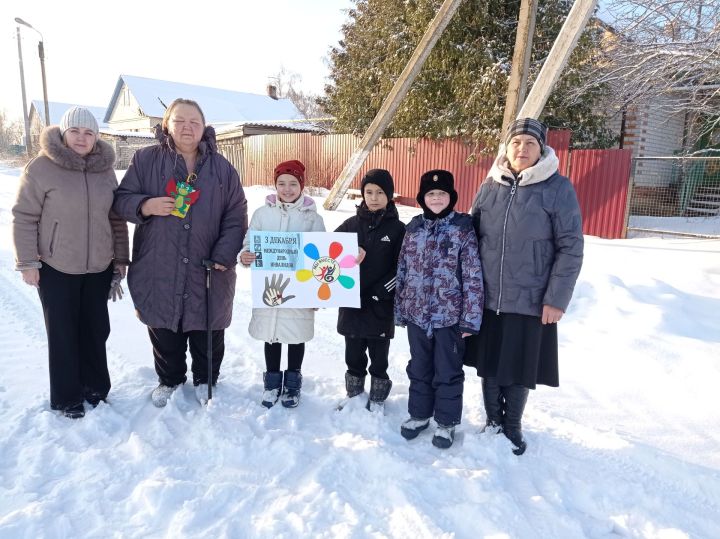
(664, 52)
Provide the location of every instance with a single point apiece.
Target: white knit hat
(78, 117)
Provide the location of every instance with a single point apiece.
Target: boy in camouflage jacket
(439, 297)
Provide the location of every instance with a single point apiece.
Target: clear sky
(236, 45)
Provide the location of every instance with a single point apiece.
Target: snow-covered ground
(673, 226)
(628, 446)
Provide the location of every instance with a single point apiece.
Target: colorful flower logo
(327, 269)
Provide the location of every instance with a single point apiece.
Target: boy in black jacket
(370, 328)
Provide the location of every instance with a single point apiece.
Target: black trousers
(170, 348)
(78, 325)
(273, 352)
(436, 374)
(357, 360)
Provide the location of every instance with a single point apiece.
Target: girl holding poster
(286, 211)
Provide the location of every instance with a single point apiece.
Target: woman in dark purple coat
(188, 205)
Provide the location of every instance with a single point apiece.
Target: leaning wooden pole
(557, 59)
(521, 61)
(391, 103)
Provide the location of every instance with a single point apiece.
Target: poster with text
(304, 269)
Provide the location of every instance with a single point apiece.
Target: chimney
(272, 91)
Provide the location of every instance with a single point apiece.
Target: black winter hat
(437, 179)
(382, 179)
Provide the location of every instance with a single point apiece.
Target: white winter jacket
(289, 326)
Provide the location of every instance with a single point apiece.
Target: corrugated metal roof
(300, 127)
(138, 134)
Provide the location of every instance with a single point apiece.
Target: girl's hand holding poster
(304, 269)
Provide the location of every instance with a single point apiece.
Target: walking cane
(208, 272)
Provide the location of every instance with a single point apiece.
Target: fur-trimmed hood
(546, 166)
(100, 159)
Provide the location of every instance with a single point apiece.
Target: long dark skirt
(515, 349)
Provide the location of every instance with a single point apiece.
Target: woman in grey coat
(188, 206)
(528, 223)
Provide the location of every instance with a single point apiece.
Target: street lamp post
(28, 142)
(41, 54)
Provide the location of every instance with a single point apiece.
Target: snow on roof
(57, 110)
(136, 134)
(224, 127)
(218, 106)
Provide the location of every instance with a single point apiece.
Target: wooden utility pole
(521, 61)
(391, 103)
(557, 59)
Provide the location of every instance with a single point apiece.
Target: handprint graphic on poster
(319, 269)
(273, 293)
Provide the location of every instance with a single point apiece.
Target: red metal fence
(600, 177)
(601, 181)
(407, 159)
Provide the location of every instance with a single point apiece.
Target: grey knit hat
(527, 126)
(78, 117)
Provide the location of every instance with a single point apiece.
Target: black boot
(492, 398)
(272, 382)
(379, 391)
(354, 385)
(515, 399)
(291, 389)
(76, 411)
(413, 426)
(94, 398)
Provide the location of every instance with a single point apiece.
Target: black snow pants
(356, 357)
(436, 374)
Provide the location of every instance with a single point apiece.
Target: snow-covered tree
(461, 88)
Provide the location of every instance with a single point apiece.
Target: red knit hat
(294, 168)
